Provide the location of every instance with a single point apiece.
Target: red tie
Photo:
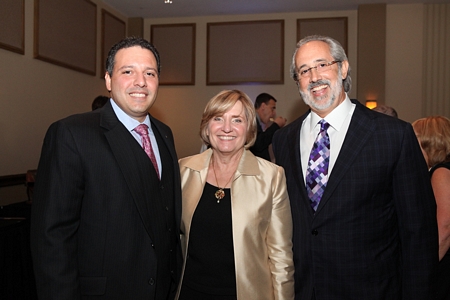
(142, 130)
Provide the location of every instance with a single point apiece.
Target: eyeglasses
(320, 68)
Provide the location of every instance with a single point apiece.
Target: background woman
(236, 215)
(433, 134)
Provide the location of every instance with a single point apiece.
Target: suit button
(151, 281)
(153, 246)
(167, 208)
(314, 232)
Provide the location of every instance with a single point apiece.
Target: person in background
(236, 216)
(107, 202)
(387, 110)
(362, 205)
(433, 134)
(267, 124)
(99, 102)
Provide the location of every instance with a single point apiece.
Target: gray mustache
(317, 83)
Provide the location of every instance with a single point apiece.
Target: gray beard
(316, 104)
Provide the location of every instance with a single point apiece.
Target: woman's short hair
(220, 104)
(433, 134)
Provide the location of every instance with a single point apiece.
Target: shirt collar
(336, 117)
(126, 120)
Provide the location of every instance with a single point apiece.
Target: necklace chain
(220, 193)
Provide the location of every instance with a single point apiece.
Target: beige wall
(371, 52)
(33, 93)
(404, 53)
(181, 107)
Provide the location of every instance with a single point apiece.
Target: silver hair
(336, 51)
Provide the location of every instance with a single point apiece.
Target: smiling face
(322, 92)
(228, 132)
(134, 81)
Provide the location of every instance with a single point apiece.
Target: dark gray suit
(374, 235)
(102, 224)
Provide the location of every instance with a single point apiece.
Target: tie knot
(141, 129)
(323, 125)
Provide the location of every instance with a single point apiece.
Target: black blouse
(210, 261)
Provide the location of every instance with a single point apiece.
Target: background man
(105, 217)
(387, 110)
(99, 102)
(268, 122)
(363, 209)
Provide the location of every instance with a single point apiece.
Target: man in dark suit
(267, 124)
(373, 234)
(105, 219)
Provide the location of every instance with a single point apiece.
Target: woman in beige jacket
(236, 216)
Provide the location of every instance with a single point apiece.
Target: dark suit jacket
(374, 235)
(102, 223)
(263, 140)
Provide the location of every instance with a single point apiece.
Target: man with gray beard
(363, 209)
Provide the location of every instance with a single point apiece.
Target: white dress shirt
(131, 123)
(339, 120)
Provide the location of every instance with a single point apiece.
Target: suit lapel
(359, 132)
(121, 143)
(157, 125)
(294, 156)
(167, 137)
(294, 153)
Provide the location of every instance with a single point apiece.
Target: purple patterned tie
(142, 130)
(317, 172)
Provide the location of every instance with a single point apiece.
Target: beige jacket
(262, 224)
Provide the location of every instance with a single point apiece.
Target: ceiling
(190, 8)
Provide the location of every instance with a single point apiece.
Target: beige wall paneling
(66, 33)
(371, 52)
(181, 107)
(404, 59)
(135, 27)
(34, 93)
(337, 28)
(113, 30)
(437, 60)
(177, 63)
(12, 24)
(245, 52)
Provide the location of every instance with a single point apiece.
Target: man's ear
(344, 69)
(108, 81)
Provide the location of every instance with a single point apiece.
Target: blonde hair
(220, 104)
(433, 134)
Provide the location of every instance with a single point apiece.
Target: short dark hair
(263, 98)
(387, 110)
(99, 102)
(127, 43)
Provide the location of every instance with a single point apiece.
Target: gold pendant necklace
(220, 193)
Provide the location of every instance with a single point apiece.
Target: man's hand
(280, 121)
